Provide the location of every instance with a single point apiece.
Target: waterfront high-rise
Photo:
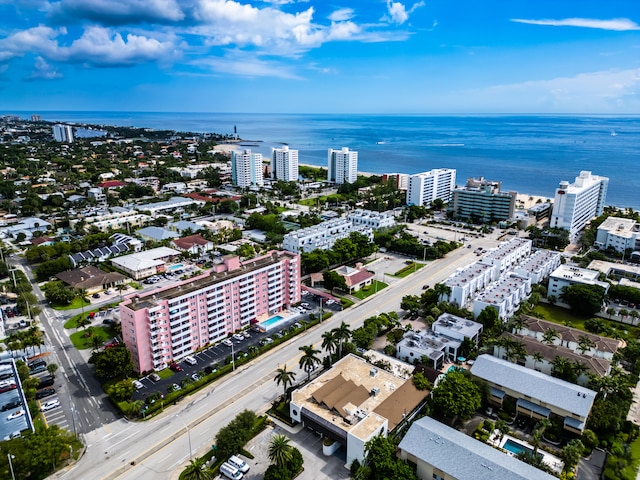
(481, 200)
(342, 166)
(166, 324)
(284, 164)
(577, 203)
(425, 187)
(246, 169)
(63, 133)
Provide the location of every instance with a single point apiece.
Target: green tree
(333, 280)
(196, 470)
(123, 390)
(380, 455)
(280, 450)
(585, 300)
(112, 362)
(52, 368)
(457, 395)
(342, 334)
(330, 344)
(488, 317)
(284, 377)
(420, 381)
(571, 454)
(309, 360)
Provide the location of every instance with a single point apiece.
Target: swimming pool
(177, 266)
(452, 368)
(516, 448)
(273, 322)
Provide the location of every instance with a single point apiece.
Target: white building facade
(426, 187)
(322, 236)
(284, 164)
(620, 234)
(246, 169)
(577, 203)
(566, 275)
(371, 219)
(63, 133)
(342, 166)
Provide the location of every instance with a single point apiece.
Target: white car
(238, 337)
(190, 360)
(50, 405)
(17, 414)
(227, 342)
(138, 384)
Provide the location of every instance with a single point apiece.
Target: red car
(175, 367)
(6, 388)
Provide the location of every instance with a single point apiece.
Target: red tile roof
(112, 184)
(185, 243)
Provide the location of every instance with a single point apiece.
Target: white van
(230, 471)
(237, 462)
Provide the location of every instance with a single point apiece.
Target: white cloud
(43, 70)
(41, 39)
(617, 24)
(241, 64)
(603, 91)
(99, 46)
(118, 12)
(398, 13)
(341, 15)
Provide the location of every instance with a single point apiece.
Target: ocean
(528, 153)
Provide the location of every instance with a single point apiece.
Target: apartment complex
(63, 133)
(425, 187)
(566, 275)
(371, 219)
(170, 323)
(342, 166)
(284, 164)
(481, 200)
(577, 203)
(323, 235)
(246, 169)
(620, 234)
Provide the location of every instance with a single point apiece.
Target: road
(156, 448)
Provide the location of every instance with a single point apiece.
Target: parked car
(154, 377)
(238, 337)
(175, 387)
(45, 382)
(4, 376)
(17, 414)
(138, 384)
(11, 405)
(227, 342)
(36, 363)
(190, 360)
(13, 435)
(50, 405)
(38, 369)
(96, 295)
(175, 367)
(195, 377)
(237, 462)
(8, 388)
(45, 392)
(108, 321)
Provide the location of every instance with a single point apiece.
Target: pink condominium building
(167, 324)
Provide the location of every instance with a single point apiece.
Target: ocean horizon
(530, 154)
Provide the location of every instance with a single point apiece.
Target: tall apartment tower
(425, 187)
(577, 203)
(246, 169)
(63, 133)
(284, 164)
(342, 166)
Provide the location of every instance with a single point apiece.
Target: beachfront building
(368, 218)
(342, 166)
(619, 234)
(323, 235)
(246, 169)
(443, 453)
(63, 133)
(537, 394)
(399, 180)
(577, 203)
(284, 164)
(481, 201)
(171, 322)
(426, 187)
(566, 275)
(354, 402)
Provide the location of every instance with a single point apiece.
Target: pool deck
(551, 460)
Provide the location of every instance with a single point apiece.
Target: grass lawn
(408, 270)
(76, 303)
(631, 470)
(369, 290)
(81, 342)
(165, 373)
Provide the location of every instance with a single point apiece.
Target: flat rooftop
(466, 275)
(502, 289)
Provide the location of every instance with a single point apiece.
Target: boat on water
(381, 142)
(613, 133)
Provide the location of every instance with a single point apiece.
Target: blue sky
(321, 56)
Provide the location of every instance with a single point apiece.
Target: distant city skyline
(309, 56)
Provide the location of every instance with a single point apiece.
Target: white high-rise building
(246, 169)
(284, 164)
(343, 166)
(63, 133)
(425, 187)
(577, 203)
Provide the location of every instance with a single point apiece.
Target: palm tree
(342, 334)
(120, 288)
(441, 290)
(537, 357)
(330, 344)
(517, 323)
(610, 311)
(196, 470)
(502, 427)
(635, 315)
(309, 359)
(82, 293)
(280, 450)
(550, 335)
(52, 368)
(284, 377)
(537, 434)
(585, 343)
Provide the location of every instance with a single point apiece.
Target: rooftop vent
(373, 372)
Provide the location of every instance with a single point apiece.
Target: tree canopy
(585, 300)
(457, 395)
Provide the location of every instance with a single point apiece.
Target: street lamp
(13, 475)
(233, 357)
(188, 435)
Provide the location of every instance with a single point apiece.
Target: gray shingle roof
(464, 457)
(538, 386)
